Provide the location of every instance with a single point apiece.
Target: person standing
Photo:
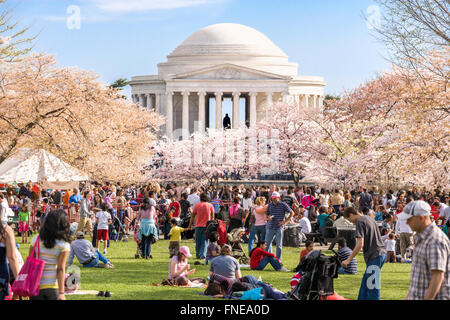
(403, 233)
(147, 228)
(430, 269)
(368, 238)
(85, 223)
(54, 246)
(103, 220)
(276, 217)
(202, 213)
(8, 258)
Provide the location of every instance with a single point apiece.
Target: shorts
(24, 227)
(102, 235)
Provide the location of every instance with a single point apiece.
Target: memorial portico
(211, 66)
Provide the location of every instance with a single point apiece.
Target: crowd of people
(259, 215)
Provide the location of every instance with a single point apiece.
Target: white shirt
(390, 245)
(401, 226)
(103, 218)
(193, 199)
(246, 204)
(444, 211)
(324, 199)
(305, 225)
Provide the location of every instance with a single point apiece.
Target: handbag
(28, 280)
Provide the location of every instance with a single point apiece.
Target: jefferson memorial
(218, 62)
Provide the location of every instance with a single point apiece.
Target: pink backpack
(28, 280)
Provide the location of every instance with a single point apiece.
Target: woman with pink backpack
(237, 215)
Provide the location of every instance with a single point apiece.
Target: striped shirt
(431, 252)
(343, 255)
(278, 212)
(50, 256)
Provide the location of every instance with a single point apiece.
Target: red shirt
(434, 212)
(303, 254)
(257, 256)
(177, 207)
(203, 212)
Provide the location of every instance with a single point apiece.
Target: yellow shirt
(175, 233)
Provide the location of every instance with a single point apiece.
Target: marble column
(320, 102)
(269, 102)
(284, 97)
(236, 120)
(306, 101)
(316, 102)
(169, 113)
(141, 100)
(253, 109)
(134, 98)
(150, 105)
(218, 110)
(158, 103)
(185, 116)
(201, 111)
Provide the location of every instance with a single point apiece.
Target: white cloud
(124, 6)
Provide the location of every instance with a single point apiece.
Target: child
(390, 248)
(309, 246)
(24, 226)
(175, 237)
(213, 249)
(103, 220)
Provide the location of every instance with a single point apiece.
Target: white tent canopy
(38, 165)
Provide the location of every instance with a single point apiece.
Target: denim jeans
(264, 261)
(256, 231)
(278, 235)
(200, 242)
(370, 283)
(146, 244)
(94, 263)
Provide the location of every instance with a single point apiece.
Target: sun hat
(417, 208)
(185, 250)
(276, 195)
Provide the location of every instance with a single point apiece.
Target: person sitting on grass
(259, 258)
(213, 249)
(179, 269)
(343, 253)
(309, 246)
(86, 254)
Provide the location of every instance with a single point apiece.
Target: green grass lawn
(132, 279)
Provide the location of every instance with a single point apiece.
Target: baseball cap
(185, 250)
(276, 195)
(80, 234)
(417, 208)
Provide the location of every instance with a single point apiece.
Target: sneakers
(283, 269)
(104, 251)
(109, 265)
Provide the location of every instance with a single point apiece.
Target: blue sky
(124, 38)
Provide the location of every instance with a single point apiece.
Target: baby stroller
(234, 240)
(118, 232)
(318, 271)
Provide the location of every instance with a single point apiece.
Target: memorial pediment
(228, 72)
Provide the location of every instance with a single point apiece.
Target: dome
(227, 39)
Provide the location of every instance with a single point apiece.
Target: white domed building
(223, 61)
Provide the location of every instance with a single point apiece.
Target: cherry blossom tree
(70, 113)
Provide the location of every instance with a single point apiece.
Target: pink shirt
(147, 214)
(260, 215)
(179, 265)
